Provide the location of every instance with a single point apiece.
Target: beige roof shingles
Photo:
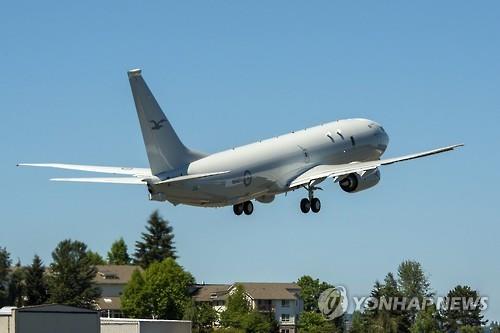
(270, 290)
(210, 292)
(256, 290)
(114, 274)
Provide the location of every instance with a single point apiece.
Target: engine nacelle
(355, 183)
(266, 198)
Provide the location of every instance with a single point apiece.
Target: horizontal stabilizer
(115, 180)
(93, 168)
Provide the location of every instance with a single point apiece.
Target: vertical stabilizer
(165, 150)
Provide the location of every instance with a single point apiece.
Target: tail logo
(157, 124)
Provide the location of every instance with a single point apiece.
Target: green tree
(239, 314)
(314, 322)
(36, 286)
(427, 321)
(118, 254)
(71, 275)
(311, 289)
(382, 315)
(5, 263)
(202, 316)
(95, 258)
(384, 323)
(134, 302)
(157, 243)
(470, 329)
(462, 307)
(412, 281)
(358, 323)
(256, 322)
(16, 286)
(237, 307)
(161, 292)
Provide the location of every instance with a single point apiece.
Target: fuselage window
(352, 141)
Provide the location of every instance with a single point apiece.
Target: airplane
(347, 151)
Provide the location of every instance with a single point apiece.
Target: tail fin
(165, 150)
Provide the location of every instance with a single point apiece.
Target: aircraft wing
(321, 172)
(139, 172)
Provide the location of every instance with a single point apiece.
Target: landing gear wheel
(305, 205)
(248, 207)
(238, 209)
(315, 205)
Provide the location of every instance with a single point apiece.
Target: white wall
(5, 324)
(125, 325)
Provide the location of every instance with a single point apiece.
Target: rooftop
(256, 290)
(114, 274)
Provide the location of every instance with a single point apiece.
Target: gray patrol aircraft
(347, 151)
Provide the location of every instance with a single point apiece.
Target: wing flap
(94, 168)
(338, 170)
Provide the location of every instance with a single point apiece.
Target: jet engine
(355, 182)
(266, 198)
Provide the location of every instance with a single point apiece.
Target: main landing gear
(244, 207)
(310, 203)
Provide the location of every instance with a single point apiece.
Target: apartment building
(281, 299)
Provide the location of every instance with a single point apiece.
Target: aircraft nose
(383, 138)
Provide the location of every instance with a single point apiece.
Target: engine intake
(354, 182)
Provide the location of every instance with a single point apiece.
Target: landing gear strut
(310, 203)
(244, 207)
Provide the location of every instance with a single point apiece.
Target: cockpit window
(382, 129)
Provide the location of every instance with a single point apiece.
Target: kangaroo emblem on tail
(157, 124)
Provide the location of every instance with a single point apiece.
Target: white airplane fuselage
(263, 169)
(346, 151)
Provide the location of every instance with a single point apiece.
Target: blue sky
(229, 73)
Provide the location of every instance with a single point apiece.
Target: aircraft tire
(305, 205)
(248, 207)
(315, 205)
(238, 209)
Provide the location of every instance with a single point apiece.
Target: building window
(285, 303)
(285, 330)
(285, 317)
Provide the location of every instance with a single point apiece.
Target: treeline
(69, 277)
(162, 289)
(398, 305)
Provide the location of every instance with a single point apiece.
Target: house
(111, 279)
(281, 299)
